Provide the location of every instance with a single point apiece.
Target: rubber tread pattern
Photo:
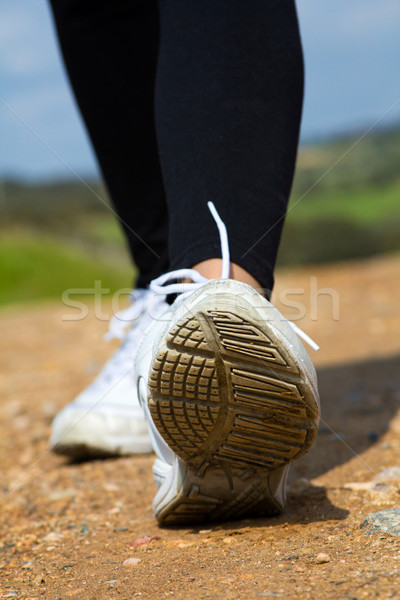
(224, 397)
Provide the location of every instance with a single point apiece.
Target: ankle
(211, 269)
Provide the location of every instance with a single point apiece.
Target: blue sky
(352, 55)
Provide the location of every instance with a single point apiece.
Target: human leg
(228, 105)
(110, 51)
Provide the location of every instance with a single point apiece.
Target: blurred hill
(344, 204)
(345, 201)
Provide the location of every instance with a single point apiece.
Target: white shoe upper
(106, 418)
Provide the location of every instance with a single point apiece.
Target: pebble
(388, 475)
(184, 544)
(62, 494)
(381, 484)
(322, 558)
(143, 541)
(52, 537)
(382, 522)
(110, 487)
(38, 580)
(356, 485)
(130, 562)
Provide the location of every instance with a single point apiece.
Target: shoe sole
(230, 398)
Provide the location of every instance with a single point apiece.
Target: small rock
(143, 541)
(39, 580)
(184, 544)
(52, 537)
(179, 543)
(322, 558)
(356, 486)
(110, 487)
(130, 562)
(202, 531)
(61, 494)
(382, 522)
(392, 474)
(373, 436)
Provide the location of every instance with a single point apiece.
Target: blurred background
(56, 233)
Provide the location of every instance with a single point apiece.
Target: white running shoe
(230, 395)
(106, 419)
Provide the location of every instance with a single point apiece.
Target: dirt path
(66, 529)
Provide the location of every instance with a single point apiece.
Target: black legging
(188, 101)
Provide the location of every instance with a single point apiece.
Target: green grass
(59, 235)
(103, 229)
(34, 267)
(364, 205)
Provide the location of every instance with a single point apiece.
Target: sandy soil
(67, 528)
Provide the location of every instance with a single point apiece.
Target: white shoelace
(158, 285)
(122, 326)
(124, 318)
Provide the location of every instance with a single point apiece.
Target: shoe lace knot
(158, 285)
